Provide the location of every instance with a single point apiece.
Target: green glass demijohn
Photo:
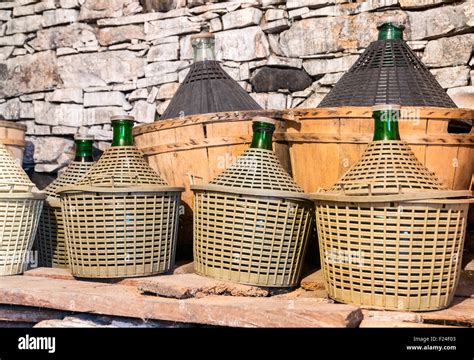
(122, 126)
(83, 149)
(390, 31)
(263, 129)
(386, 118)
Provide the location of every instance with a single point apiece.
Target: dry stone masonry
(71, 64)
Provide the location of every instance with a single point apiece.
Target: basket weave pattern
(206, 89)
(388, 72)
(121, 166)
(394, 256)
(50, 238)
(400, 254)
(257, 169)
(121, 219)
(401, 170)
(247, 237)
(18, 224)
(19, 213)
(12, 176)
(121, 235)
(250, 240)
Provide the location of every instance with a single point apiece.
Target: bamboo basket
(121, 218)
(20, 208)
(50, 238)
(251, 223)
(334, 139)
(390, 233)
(12, 135)
(201, 145)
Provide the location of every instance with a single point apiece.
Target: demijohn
(207, 88)
(51, 237)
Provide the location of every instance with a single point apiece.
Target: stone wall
(66, 64)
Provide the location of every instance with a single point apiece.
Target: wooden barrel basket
(325, 142)
(200, 147)
(12, 135)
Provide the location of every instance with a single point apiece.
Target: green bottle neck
(122, 133)
(389, 31)
(262, 135)
(386, 125)
(83, 150)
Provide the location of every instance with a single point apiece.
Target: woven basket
(390, 235)
(388, 72)
(251, 223)
(20, 208)
(50, 238)
(121, 218)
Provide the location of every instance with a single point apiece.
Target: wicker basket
(20, 208)
(121, 218)
(251, 223)
(50, 238)
(202, 145)
(391, 236)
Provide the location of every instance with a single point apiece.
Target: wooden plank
(314, 281)
(464, 167)
(26, 314)
(466, 284)
(184, 268)
(397, 324)
(460, 312)
(120, 300)
(101, 321)
(392, 316)
(186, 286)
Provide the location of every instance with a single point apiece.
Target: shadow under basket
(390, 235)
(121, 219)
(251, 223)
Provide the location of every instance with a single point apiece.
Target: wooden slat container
(12, 135)
(325, 142)
(201, 146)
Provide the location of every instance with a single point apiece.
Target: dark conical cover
(388, 72)
(207, 89)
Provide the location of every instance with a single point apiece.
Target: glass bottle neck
(389, 31)
(262, 136)
(386, 125)
(203, 49)
(83, 150)
(122, 133)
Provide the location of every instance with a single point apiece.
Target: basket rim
(433, 196)
(37, 195)
(252, 192)
(114, 190)
(12, 124)
(216, 117)
(433, 112)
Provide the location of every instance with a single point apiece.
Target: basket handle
(10, 187)
(191, 178)
(111, 178)
(370, 189)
